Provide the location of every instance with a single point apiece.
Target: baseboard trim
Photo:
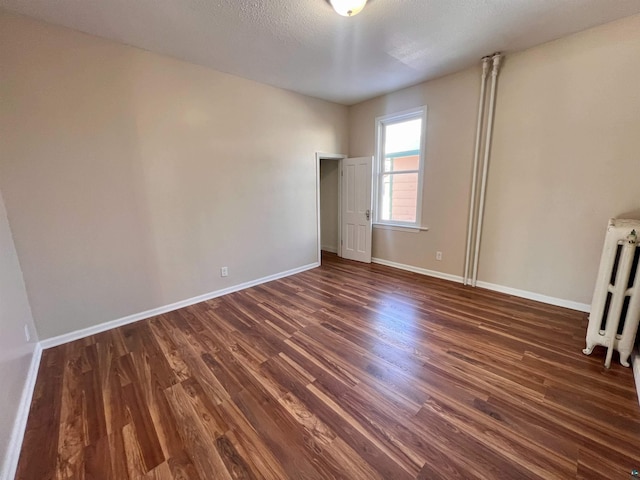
(635, 364)
(85, 332)
(559, 302)
(329, 249)
(12, 456)
(422, 271)
(582, 307)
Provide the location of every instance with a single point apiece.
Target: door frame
(336, 157)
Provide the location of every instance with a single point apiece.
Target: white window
(400, 141)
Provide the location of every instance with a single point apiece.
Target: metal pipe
(485, 166)
(476, 161)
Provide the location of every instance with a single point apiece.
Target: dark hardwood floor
(346, 371)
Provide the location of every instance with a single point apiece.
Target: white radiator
(615, 309)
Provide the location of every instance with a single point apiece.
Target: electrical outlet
(224, 271)
(27, 333)
(438, 256)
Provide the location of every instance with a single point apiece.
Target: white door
(356, 208)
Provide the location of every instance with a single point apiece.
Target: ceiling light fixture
(348, 8)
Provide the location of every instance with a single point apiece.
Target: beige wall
(131, 178)
(15, 352)
(566, 157)
(451, 109)
(329, 200)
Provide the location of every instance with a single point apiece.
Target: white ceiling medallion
(348, 8)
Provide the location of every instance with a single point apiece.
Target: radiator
(615, 309)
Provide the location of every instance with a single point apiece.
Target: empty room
(319, 239)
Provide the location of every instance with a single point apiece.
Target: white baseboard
(582, 307)
(12, 456)
(635, 364)
(560, 302)
(327, 248)
(85, 332)
(422, 271)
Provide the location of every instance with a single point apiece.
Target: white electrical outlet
(438, 256)
(224, 271)
(27, 333)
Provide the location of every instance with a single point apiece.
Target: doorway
(344, 206)
(329, 205)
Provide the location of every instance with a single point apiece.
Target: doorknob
(368, 213)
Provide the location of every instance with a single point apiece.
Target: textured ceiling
(302, 45)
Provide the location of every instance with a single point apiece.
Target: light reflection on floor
(397, 321)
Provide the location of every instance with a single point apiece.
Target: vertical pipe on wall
(485, 166)
(476, 161)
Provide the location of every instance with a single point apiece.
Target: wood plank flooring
(346, 371)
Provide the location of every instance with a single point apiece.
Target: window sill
(400, 228)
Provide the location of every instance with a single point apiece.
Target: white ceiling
(302, 45)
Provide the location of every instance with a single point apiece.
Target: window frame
(381, 123)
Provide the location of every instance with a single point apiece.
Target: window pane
(399, 200)
(400, 165)
(402, 136)
(393, 163)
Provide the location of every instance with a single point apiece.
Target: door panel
(356, 210)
